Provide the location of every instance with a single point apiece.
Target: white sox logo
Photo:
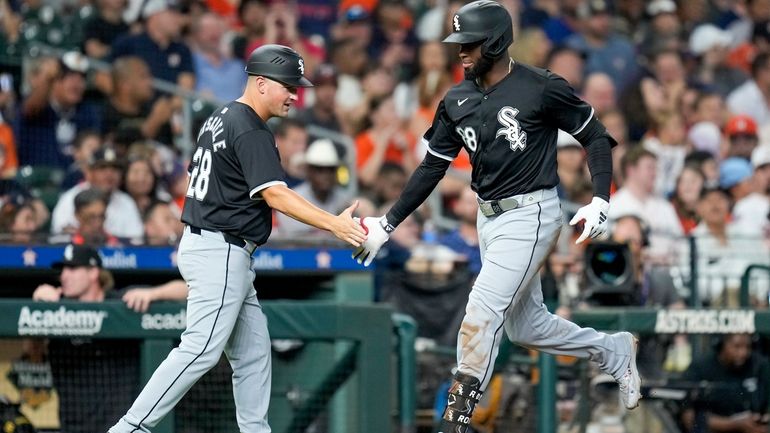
(301, 66)
(511, 131)
(456, 22)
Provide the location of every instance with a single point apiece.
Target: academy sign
(705, 322)
(60, 322)
(165, 321)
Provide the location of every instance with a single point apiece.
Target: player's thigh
(249, 340)
(217, 274)
(515, 249)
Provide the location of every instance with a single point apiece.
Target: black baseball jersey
(236, 158)
(510, 129)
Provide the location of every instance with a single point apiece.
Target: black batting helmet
(483, 20)
(278, 63)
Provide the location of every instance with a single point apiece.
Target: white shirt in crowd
(748, 99)
(123, 219)
(721, 266)
(659, 215)
(750, 215)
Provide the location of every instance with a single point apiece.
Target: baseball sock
(461, 400)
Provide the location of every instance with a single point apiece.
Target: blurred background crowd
(101, 101)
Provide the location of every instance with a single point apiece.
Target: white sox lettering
(456, 22)
(511, 130)
(301, 66)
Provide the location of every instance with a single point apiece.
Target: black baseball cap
(78, 255)
(105, 157)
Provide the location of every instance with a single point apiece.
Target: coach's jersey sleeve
(259, 160)
(441, 140)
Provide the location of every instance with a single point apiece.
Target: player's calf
(462, 398)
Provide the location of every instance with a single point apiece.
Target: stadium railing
(336, 366)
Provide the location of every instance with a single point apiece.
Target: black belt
(230, 239)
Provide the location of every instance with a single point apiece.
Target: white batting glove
(378, 232)
(595, 216)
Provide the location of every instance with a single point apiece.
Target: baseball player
(507, 115)
(235, 180)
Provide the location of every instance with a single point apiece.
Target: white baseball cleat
(630, 382)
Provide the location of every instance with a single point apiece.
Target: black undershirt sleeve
(419, 187)
(599, 157)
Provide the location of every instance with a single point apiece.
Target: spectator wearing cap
(106, 25)
(104, 173)
(741, 131)
(735, 177)
(663, 30)
(133, 107)
(723, 251)
(96, 379)
(751, 212)
(710, 46)
(217, 74)
(159, 45)
(751, 98)
(54, 112)
(605, 51)
(320, 188)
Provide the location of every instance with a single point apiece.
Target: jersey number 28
(469, 137)
(199, 179)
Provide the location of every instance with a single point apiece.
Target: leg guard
(461, 400)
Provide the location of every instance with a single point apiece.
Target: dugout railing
(346, 383)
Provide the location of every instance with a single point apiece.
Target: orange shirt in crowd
(365, 149)
(8, 144)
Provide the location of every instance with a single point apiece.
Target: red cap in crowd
(741, 124)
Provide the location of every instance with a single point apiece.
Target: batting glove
(377, 233)
(595, 216)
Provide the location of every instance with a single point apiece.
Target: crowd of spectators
(97, 156)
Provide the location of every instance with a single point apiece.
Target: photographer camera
(616, 274)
